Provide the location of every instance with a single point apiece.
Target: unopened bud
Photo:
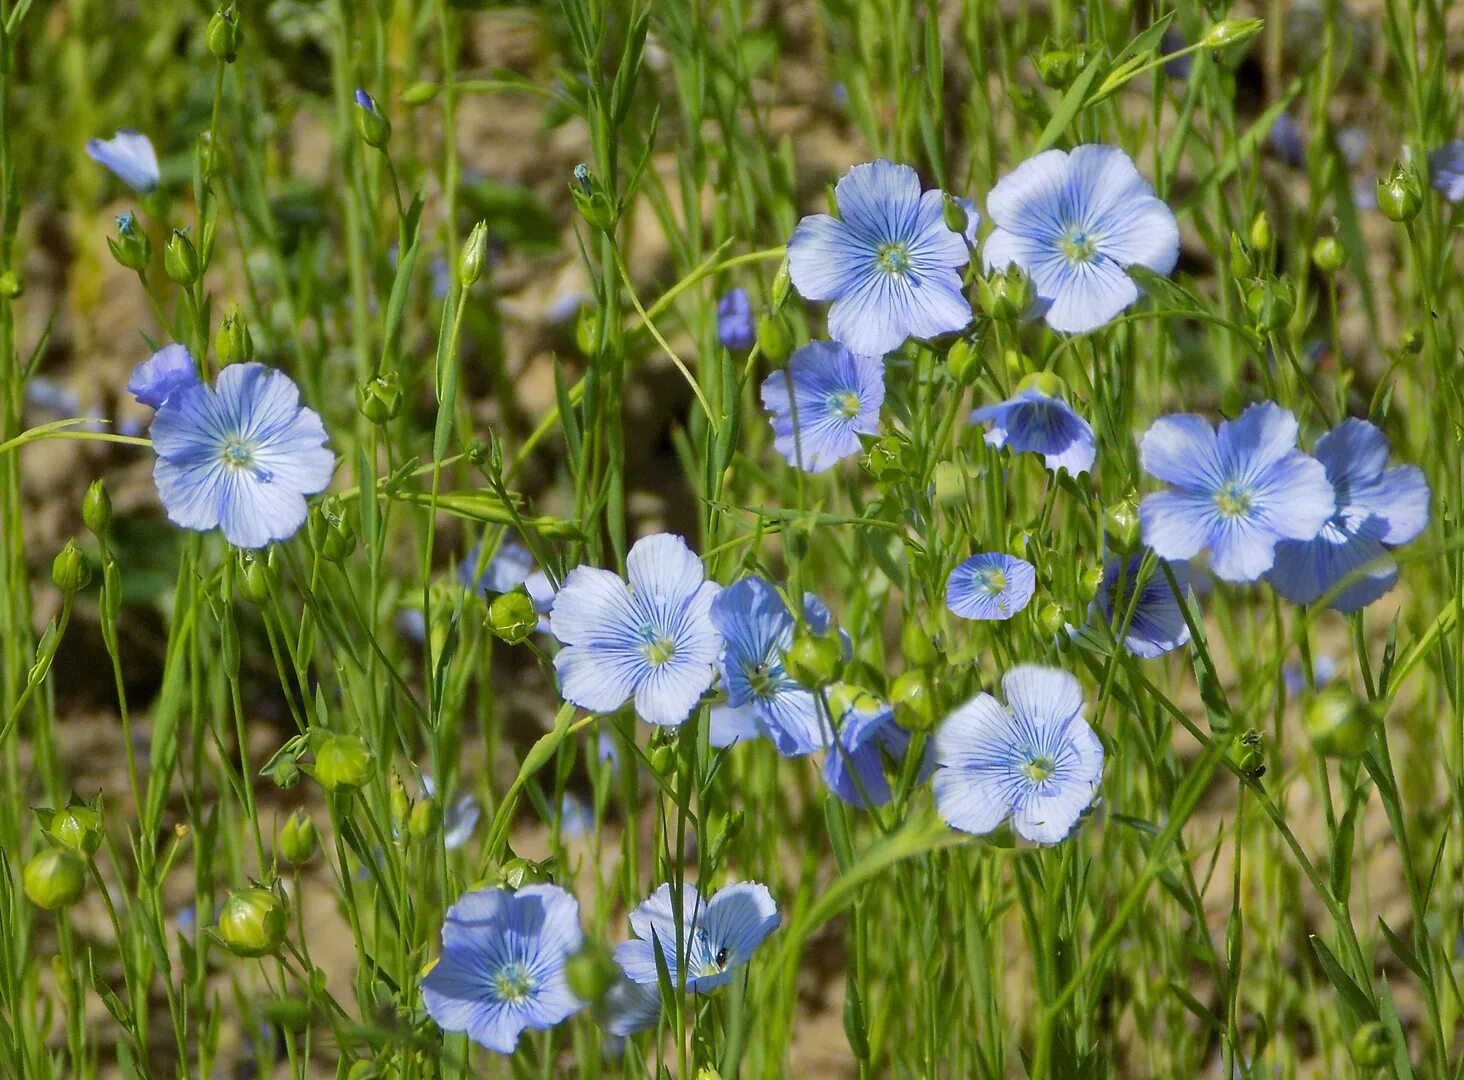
(963, 362)
(1400, 193)
(420, 93)
(1338, 723)
(180, 259)
(1271, 303)
(773, 339)
(252, 922)
(54, 878)
(1329, 254)
(1229, 32)
(298, 838)
(474, 255)
(131, 248)
(813, 659)
(223, 35)
(255, 577)
(1261, 236)
(96, 508)
(373, 125)
(913, 701)
(380, 398)
(70, 571)
(78, 827)
(233, 343)
(511, 617)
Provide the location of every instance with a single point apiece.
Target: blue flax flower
(822, 402)
(728, 726)
(990, 586)
(131, 156)
(1037, 419)
(1378, 508)
(1237, 491)
(163, 374)
(241, 456)
(854, 768)
(1446, 170)
(649, 639)
(628, 1008)
(459, 817)
(735, 329)
(717, 935)
(1157, 625)
(506, 570)
(758, 628)
(1074, 222)
(502, 964)
(889, 263)
(1034, 760)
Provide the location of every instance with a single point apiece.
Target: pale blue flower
(131, 156)
(1446, 170)
(735, 329)
(240, 456)
(628, 1008)
(1158, 623)
(990, 586)
(868, 735)
(888, 262)
(822, 402)
(509, 568)
(1074, 222)
(758, 627)
(163, 374)
(1034, 760)
(650, 639)
(1378, 508)
(1034, 421)
(502, 964)
(459, 817)
(717, 935)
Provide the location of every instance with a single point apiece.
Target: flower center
(892, 258)
(1233, 500)
(991, 582)
(238, 453)
(658, 648)
(712, 963)
(845, 404)
(1038, 768)
(760, 679)
(512, 983)
(1078, 245)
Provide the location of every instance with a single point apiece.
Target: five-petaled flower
(1152, 623)
(1075, 221)
(649, 639)
(1238, 491)
(990, 586)
(1378, 508)
(502, 968)
(716, 936)
(131, 156)
(1034, 760)
(240, 456)
(889, 262)
(735, 329)
(822, 402)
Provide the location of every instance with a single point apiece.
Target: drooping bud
(518, 872)
(180, 259)
(342, 763)
(1400, 194)
(298, 838)
(70, 571)
(511, 617)
(54, 878)
(223, 35)
(1229, 32)
(96, 508)
(373, 125)
(233, 343)
(252, 921)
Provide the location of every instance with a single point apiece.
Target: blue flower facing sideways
(888, 262)
(1237, 491)
(735, 329)
(131, 156)
(990, 586)
(758, 627)
(1034, 760)
(502, 964)
(717, 936)
(1157, 623)
(1446, 170)
(649, 639)
(1074, 221)
(854, 767)
(508, 568)
(1378, 508)
(163, 374)
(822, 402)
(1036, 419)
(240, 456)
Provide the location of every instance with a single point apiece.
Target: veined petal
(826, 259)
(1258, 438)
(1181, 449)
(1178, 524)
(1042, 695)
(880, 198)
(665, 568)
(1093, 294)
(739, 918)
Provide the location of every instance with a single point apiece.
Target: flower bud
(331, 531)
(380, 399)
(1270, 303)
(474, 255)
(1046, 383)
(54, 878)
(813, 659)
(1371, 1046)
(1057, 68)
(885, 459)
(1241, 265)
(517, 872)
(233, 344)
(11, 287)
(591, 200)
(1090, 581)
(70, 572)
(955, 216)
(399, 802)
(1250, 756)
(963, 362)
(342, 763)
(425, 818)
(420, 93)
(1050, 618)
(913, 701)
(773, 339)
(373, 125)
(1005, 294)
(298, 838)
(950, 484)
(1229, 32)
(663, 760)
(1400, 194)
(78, 827)
(511, 617)
(916, 644)
(1261, 236)
(1329, 254)
(1121, 526)
(96, 508)
(223, 35)
(132, 249)
(1337, 722)
(782, 286)
(180, 259)
(591, 972)
(255, 577)
(1411, 343)
(252, 921)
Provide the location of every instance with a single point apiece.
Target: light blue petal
(1027, 199)
(968, 590)
(1090, 295)
(663, 567)
(1295, 499)
(1041, 695)
(1181, 449)
(1241, 549)
(1401, 500)
(628, 1008)
(1178, 524)
(879, 198)
(739, 918)
(163, 374)
(825, 258)
(1258, 438)
(131, 156)
(729, 725)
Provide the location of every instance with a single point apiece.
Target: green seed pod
(425, 818)
(1261, 236)
(1338, 723)
(591, 972)
(233, 343)
(517, 872)
(380, 399)
(132, 249)
(331, 531)
(916, 643)
(956, 218)
(1057, 67)
(950, 484)
(70, 572)
(773, 339)
(1051, 618)
(298, 838)
(1329, 254)
(1089, 582)
(180, 259)
(663, 760)
(1229, 32)
(1005, 295)
(1046, 383)
(342, 763)
(252, 922)
(813, 659)
(96, 509)
(913, 701)
(420, 93)
(11, 286)
(223, 35)
(1372, 1046)
(1122, 527)
(1400, 193)
(78, 827)
(400, 803)
(54, 878)
(512, 618)
(474, 255)
(963, 362)
(371, 122)
(1241, 264)
(1250, 755)
(1271, 303)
